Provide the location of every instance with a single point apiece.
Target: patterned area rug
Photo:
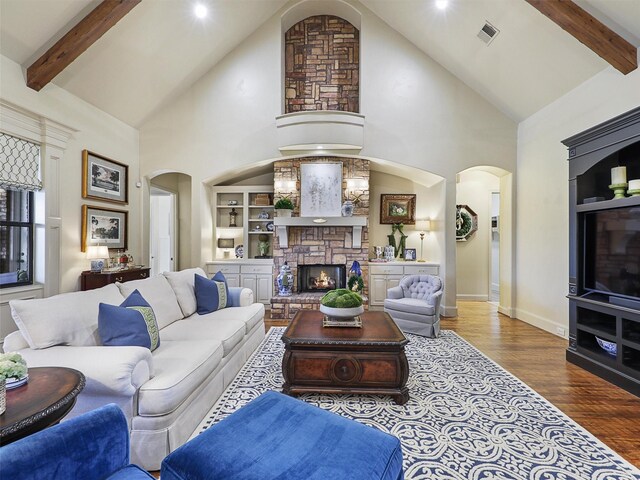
(467, 418)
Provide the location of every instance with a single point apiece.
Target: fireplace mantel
(356, 222)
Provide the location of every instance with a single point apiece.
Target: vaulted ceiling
(159, 49)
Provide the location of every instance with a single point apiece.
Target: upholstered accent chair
(92, 445)
(415, 304)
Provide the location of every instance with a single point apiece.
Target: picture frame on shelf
(104, 179)
(397, 208)
(104, 226)
(409, 254)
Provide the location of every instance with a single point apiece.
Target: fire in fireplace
(321, 278)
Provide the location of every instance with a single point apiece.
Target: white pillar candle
(618, 175)
(634, 184)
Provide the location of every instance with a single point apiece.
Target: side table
(90, 280)
(43, 401)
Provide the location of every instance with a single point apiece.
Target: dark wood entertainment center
(593, 311)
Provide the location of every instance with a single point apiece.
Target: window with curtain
(19, 178)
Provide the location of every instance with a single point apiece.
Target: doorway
(494, 246)
(162, 230)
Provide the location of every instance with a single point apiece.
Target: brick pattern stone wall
(322, 62)
(352, 168)
(312, 245)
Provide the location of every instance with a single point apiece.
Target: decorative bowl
(610, 347)
(17, 382)
(342, 312)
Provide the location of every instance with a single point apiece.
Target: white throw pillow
(157, 291)
(182, 284)
(65, 319)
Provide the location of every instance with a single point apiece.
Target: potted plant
(13, 368)
(284, 207)
(341, 303)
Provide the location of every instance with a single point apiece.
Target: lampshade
(423, 225)
(97, 252)
(225, 243)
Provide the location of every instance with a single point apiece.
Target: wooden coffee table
(368, 360)
(48, 396)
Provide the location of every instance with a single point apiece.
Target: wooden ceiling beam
(84, 34)
(590, 31)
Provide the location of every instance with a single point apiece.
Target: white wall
(97, 132)
(542, 192)
(417, 114)
(473, 256)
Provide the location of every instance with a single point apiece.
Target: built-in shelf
(607, 204)
(282, 225)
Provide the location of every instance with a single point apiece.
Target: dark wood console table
(90, 280)
(43, 401)
(369, 360)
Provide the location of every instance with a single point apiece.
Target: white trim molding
(542, 323)
(52, 138)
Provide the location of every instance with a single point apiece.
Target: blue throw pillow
(211, 295)
(132, 324)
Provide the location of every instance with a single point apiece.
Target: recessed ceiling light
(200, 10)
(442, 4)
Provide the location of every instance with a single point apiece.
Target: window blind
(19, 164)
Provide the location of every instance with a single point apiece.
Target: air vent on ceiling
(488, 33)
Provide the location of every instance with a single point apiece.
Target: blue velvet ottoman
(279, 437)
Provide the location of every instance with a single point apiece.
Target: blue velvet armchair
(91, 446)
(415, 304)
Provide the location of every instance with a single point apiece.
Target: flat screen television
(611, 252)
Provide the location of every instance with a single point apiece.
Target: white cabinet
(259, 279)
(383, 276)
(256, 275)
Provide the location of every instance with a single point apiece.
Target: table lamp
(97, 254)
(226, 244)
(423, 226)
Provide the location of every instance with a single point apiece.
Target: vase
(283, 212)
(347, 208)
(284, 280)
(3, 396)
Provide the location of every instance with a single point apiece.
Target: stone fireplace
(325, 244)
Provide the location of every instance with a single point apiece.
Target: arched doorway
(485, 210)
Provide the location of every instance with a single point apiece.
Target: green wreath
(465, 225)
(355, 280)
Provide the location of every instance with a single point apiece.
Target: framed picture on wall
(103, 226)
(320, 189)
(397, 208)
(104, 179)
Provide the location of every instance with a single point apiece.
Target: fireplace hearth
(321, 277)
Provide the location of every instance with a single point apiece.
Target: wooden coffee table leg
(403, 397)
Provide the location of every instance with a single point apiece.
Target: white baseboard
(472, 298)
(543, 323)
(509, 312)
(448, 311)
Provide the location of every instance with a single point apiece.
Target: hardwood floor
(538, 359)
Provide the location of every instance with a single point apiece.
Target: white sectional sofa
(164, 393)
